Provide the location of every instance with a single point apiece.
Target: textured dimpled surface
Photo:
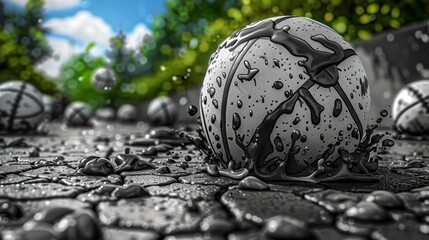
(410, 110)
(21, 106)
(284, 63)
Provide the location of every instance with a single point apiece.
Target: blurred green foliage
(176, 56)
(190, 31)
(23, 45)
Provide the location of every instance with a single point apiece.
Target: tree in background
(2, 16)
(22, 45)
(27, 30)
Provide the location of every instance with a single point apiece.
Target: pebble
(63, 223)
(415, 164)
(163, 170)
(130, 191)
(252, 183)
(44, 163)
(80, 225)
(130, 162)
(34, 152)
(149, 152)
(184, 165)
(367, 211)
(192, 110)
(385, 199)
(285, 227)
(10, 211)
(96, 166)
(217, 226)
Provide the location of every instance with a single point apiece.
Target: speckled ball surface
(103, 79)
(127, 113)
(77, 114)
(283, 91)
(162, 111)
(410, 109)
(21, 106)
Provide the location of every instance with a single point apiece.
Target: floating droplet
(211, 91)
(384, 113)
(276, 63)
(355, 133)
(215, 104)
(279, 144)
(192, 110)
(388, 143)
(278, 85)
(219, 81)
(213, 118)
(338, 107)
(236, 121)
(239, 103)
(296, 121)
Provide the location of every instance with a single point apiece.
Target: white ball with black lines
(410, 109)
(21, 106)
(78, 114)
(162, 111)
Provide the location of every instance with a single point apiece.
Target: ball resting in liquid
(287, 98)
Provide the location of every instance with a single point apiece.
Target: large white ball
(284, 91)
(21, 106)
(77, 114)
(127, 113)
(162, 111)
(103, 79)
(410, 110)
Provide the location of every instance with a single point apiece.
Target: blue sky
(75, 23)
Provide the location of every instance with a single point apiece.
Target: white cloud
(51, 4)
(136, 37)
(82, 26)
(63, 50)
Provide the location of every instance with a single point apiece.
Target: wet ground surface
(110, 182)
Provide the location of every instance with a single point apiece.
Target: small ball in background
(21, 106)
(77, 114)
(106, 113)
(103, 79)
(410, 109)
(162, 111)
(127, 113)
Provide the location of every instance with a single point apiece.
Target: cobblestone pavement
(158, 188)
